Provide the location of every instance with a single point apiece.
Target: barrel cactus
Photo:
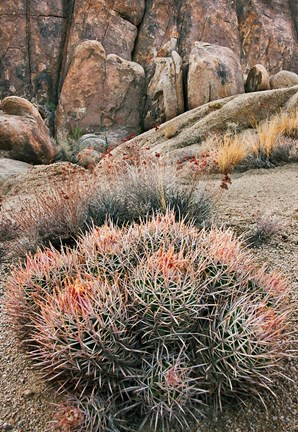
(157, 318)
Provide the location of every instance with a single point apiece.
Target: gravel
(26, 402)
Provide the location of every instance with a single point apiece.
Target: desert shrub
(149, 322)
(132, 192)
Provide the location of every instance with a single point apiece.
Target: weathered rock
(23, 133)
(257, 79)
(43, 178)
(187, 22)
(48, 8)
(294, 10)
(292, 106)
(195, 126)
(10, 168)
(124, 89)
(14, 70)
(32, 36)
(159, 25)
(131, 10)
(214, 73)
(209, 21)
(267, 34)
(283, 79)
(165, 98)
(100, 21)
(100, 93)
(46, 48)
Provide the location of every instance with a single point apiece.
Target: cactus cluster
(150, 322)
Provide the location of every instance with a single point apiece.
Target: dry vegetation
(270, 142)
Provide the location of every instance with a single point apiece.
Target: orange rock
(100, 93)
(23, 132)
(214, 73)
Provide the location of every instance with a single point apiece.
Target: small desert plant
(76, 133)
(54, 216)
(266, 227)
(119, 192)
(150, 322)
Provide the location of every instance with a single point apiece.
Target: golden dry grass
(232, 149)
(271, 129)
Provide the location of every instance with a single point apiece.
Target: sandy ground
(26, 402)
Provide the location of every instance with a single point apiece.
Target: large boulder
(165, 99)
(101, 93)
(214, 73)
(282, 79)
(23, 133)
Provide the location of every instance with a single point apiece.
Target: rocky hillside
(63, 52)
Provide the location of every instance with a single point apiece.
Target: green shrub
(157, 319)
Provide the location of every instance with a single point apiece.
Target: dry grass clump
(274, 141)
(265, 228)
(148, 323)
(232, 150)
(270, 135)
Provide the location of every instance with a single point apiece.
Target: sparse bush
(135, 191)
(151, 321)
(266, 227)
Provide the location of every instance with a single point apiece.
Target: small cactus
(157, 318)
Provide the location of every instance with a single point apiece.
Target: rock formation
(283, 79)
(214, 73)
(194, 127)
(23, 133)
(101, 93)
(39, 42)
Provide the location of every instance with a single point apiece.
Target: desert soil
(26, 403)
